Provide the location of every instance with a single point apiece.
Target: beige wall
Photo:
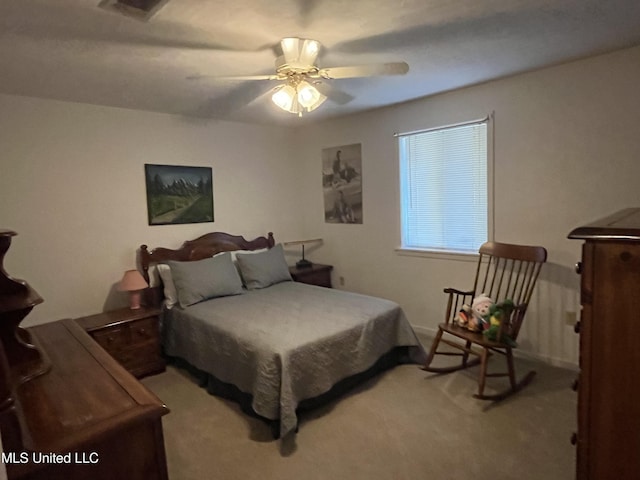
(567, 150)
(72, 183)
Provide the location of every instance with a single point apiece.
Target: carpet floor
(403, 424)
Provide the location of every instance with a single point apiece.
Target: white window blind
(444, 193)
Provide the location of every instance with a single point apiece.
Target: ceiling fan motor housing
(298, 56)
(295, 67)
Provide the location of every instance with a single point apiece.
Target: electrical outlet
(341, 279)
(570, 318)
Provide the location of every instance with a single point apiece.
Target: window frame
(442, 253)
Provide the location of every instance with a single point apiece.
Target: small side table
(316, 274)
(132, 337)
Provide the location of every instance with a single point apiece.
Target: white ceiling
(74, 51)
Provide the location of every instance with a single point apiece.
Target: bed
(276, 343)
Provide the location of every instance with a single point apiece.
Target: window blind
(444, 188)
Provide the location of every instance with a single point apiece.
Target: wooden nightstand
(316, 274)
(132, 337)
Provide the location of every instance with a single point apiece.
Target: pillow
(261, 270)
(170, 293)
(234, 253)
(203, 279)
(154, 276)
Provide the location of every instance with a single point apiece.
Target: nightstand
(316, 274)
(132, 337)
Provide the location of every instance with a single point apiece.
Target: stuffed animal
(480, 308)
(464, 315)
(498, 312)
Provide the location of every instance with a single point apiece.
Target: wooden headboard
(202, 247)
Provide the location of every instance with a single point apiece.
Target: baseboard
(426, 331)
(555, 362)
(430, 333)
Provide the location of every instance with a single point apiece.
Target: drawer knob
(576, 327)
(579, 268)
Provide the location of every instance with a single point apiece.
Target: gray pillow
(204, 279)
(261, 270)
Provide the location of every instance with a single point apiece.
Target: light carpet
(403, 424)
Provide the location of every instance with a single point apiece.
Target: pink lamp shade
(133, 282)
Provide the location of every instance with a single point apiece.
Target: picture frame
(342, 184)
(178, 194)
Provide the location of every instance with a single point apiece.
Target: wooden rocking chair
(504, 272)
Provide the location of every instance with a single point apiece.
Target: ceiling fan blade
(236, 99)
(234, 77)
(457, 30)
(333, 94)
(396, 68)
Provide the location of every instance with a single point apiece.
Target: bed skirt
(214, 386)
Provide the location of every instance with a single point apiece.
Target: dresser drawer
(135, 357)
(124, 336)
(144, 330)
(322, 279)
(317, 274)
(112, 338)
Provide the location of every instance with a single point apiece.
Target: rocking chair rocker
(504, 271)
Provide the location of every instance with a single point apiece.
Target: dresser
(68, 409)
(87, 417)
(132, 337)
(608, 436)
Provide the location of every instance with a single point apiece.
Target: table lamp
(303, 262)
(133, 283)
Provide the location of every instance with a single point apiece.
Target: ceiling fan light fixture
(309, 96)
(298, 97)
(284, 97)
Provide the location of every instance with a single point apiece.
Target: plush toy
(480, 308)
(497, 313)
(464, 315)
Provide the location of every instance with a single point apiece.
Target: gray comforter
(288, 342)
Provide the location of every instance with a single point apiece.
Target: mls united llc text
(40, 457)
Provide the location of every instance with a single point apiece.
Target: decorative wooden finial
(17, 299)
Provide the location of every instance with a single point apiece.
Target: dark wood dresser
(608, 437)
(88, 411)
(316, 274)
(68, 410)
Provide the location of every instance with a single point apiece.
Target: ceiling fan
(302, 88)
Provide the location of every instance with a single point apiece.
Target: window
(444, 188)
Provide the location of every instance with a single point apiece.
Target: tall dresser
(68, 410)
(608, 437)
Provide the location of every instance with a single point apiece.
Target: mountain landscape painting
(177, 194)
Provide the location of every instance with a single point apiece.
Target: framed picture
(342, 183)
(178, 194)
